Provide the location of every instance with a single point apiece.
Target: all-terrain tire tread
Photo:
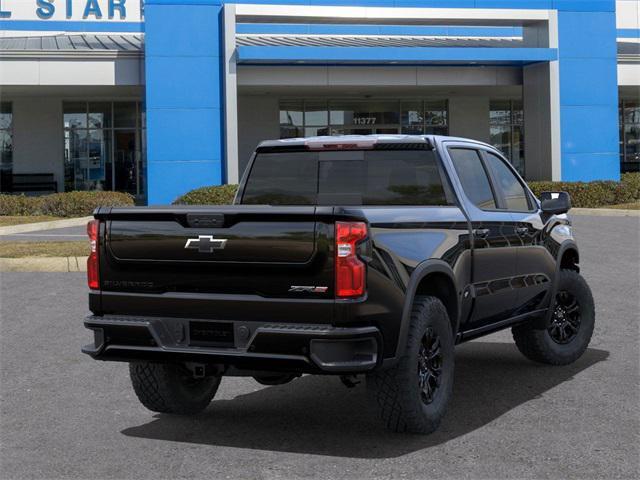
(155, 386)
(532, 342)
(391, 387)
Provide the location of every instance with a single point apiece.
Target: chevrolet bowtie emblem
(205, 243)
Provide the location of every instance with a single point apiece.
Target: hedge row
(76, 204)
(221, 195)
(583, 194)
(595, 194)
(69, 204)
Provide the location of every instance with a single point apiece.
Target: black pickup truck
(353, 255)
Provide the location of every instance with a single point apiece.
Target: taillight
(350, 270)
(93, 274)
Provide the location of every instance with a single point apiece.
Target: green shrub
(583, 194)
(595, 194)
(218, 195)
(68, 204)
(19, 205)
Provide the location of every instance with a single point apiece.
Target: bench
(33, 182)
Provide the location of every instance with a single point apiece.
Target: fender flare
(421, 271)
(564, 246)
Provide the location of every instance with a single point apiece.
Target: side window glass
(473, 177)
(515, 197)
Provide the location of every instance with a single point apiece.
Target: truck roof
(363, 140)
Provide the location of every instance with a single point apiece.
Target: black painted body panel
(146, 271)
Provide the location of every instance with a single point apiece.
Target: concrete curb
(37, 227)
(44, 264)
(605, 212)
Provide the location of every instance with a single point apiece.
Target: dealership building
(159, 97)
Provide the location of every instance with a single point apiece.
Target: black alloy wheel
(565, 322)
(429, 365)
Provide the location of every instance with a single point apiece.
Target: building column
(184, 97)
(588, 95)
(469, 117)
(541, 122)
(541, 104)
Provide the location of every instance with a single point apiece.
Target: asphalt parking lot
(66, 416)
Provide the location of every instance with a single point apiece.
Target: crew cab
(351, 256)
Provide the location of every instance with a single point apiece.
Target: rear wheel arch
(431, 278)
(441, 286)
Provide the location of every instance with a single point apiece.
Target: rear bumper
(297, 348)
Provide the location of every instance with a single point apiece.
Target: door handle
(481, 232)
(522, 231)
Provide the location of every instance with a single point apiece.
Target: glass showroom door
(127, 164)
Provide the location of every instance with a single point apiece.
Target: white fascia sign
(72, 10)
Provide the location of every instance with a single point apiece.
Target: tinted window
(276, 178)
(390, 177)
(473, 177)
(515, 198)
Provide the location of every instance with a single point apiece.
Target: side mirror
(555, 203)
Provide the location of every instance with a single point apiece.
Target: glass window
(473, 177)
(75, 115)
(364, 113)
(99, 115)
(500, 112)
(6, 116)
(316, 114)
(630, 136)
(291, 119)
(282, 179)
(124, 114)
(435, 113)
(6, 146)
(514, 195)
(412, 114)
(401, 177)
(506, 120)
(362, 117)
(104, 147)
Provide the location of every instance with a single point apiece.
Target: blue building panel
(585, 129)
(199, 37)
(185, 97)
(412, 55)
(587, 34)
(184, 134)
(582, 90)
(588, 95)
(172, 179)
(183, 82)
(185, 139)
(586, 167)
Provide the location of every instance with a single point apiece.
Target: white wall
(628, 14)
(78, 70)
(38, 141)
(258, 119)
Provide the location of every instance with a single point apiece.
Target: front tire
(413, 395)
(169, 388)
(571, 327)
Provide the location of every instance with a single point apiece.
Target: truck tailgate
(214, 253)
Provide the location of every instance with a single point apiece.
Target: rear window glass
(391, 177)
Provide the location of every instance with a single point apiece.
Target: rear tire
(413, 395)
(571, 327)
(169, 388)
